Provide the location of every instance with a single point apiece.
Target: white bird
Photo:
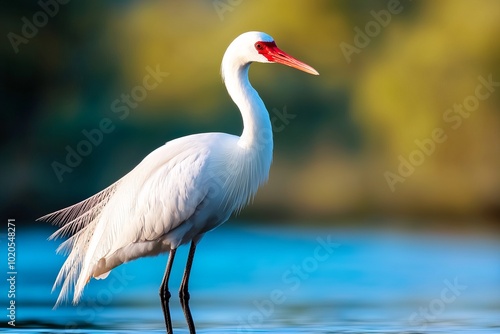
(180, 191)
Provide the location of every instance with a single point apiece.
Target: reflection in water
(185, 308)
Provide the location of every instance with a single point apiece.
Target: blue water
(248, 279)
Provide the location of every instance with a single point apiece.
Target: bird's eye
(259, 46)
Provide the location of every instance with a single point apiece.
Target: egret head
(254, 46)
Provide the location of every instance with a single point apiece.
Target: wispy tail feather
(79, 222)
(72, 267)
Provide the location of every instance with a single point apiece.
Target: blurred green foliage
(352, 125)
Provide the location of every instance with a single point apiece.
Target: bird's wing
(157, 196)
(155, 199)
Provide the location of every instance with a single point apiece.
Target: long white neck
(255, 145)
(257, 129)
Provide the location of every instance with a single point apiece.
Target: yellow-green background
(351, 123)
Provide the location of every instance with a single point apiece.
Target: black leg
(184, 293)
(165, 294)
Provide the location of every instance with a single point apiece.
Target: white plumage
(179, 191)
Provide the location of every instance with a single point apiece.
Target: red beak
(274, 54)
